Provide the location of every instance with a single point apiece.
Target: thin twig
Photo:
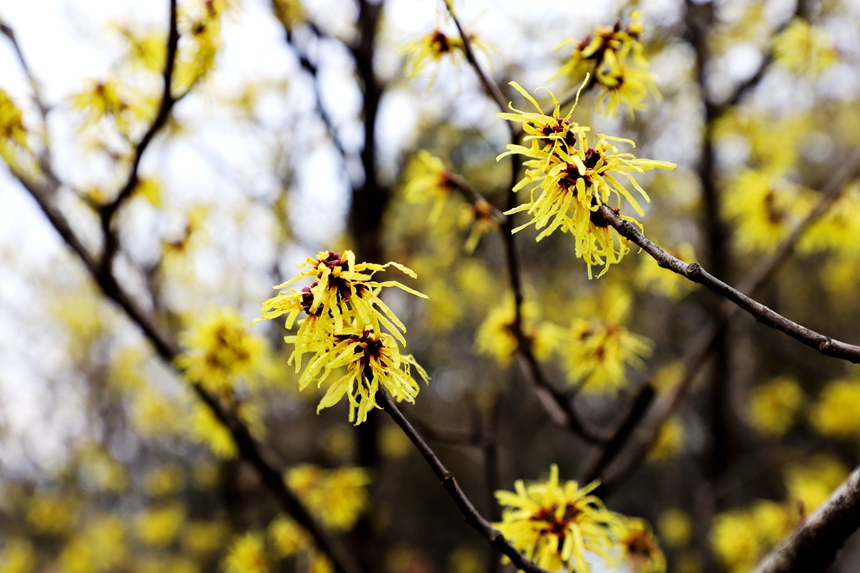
(557, 404)
(168, 100)
(813, 546)
(449, 483)
(752, 283)
(697, 274)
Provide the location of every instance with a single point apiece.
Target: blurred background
(298, 127)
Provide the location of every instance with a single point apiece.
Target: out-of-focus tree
(489, 226)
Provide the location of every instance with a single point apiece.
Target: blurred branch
(449, 483)
(111, 239)
(7, 31)
(813, 546)
(313, 71)
(45, 193)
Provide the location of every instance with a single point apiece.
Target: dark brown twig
(813, 546)
(752, 283)
(697, 274)
(449, 483)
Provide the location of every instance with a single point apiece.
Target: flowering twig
(696, 273)
(557, 404)
(168, 100)
(813, 546)
(470, 515)
(752, 283)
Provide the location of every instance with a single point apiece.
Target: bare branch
(697, 274)
(470, 515)
(752, 283)
(813, 546)
(165, 106)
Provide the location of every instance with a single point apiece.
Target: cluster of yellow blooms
(573, 179)
(557, 524)
(803, 49)
(343, 327)
(336, 497)
(614, 56)
(13, 134)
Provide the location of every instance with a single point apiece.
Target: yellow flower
(18, 556)
(337, 497)
(598, 354)
(803, 49)
(676, 527)
(614, 55)
(427, 180)
(433, 46)
(555, 524)
(765, 209)
(772, 406)
(204, 537)
(164, 480)
(220, 352)
(812, 482)
(841, 220)
(319, 563)
(373, 362)
(287, 537)
(638, 545)
(837, 412)
(159, 526)
(742, 537)
(247, 555)
(573, 180)
(343, 296)
(669, 440)
(50, 513)
(13, 134)
(496, 337)
(99, 548)
(207, 429)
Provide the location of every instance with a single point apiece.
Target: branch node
(693, 270)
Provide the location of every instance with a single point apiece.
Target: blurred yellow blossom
(337, 497)
(765, 209)
(837, 412)
(165, 480)
(287, 537)
(812, 482)
(496, 336)
(773, 406)
(427, 181)
(18, 556)
(614, 56)
(204, 537)
(675, 527)
(839, 221)
(159, 526)
(220, 352)
(669, 440)
(207, 429)
(51, 513)
(804, 49)
(639, 546)
(247, 554)
(99, 548)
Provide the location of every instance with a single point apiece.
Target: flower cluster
(614, 56)
(772, 406)
(433, 46)
(220, 352)
(343, 327)
(803, 49)
(336, 497)
(556, 524)
(571, 180)
(13, 134)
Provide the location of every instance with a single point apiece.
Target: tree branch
(813, 546)
(470, 515)
(111, 245)
(697, 274)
